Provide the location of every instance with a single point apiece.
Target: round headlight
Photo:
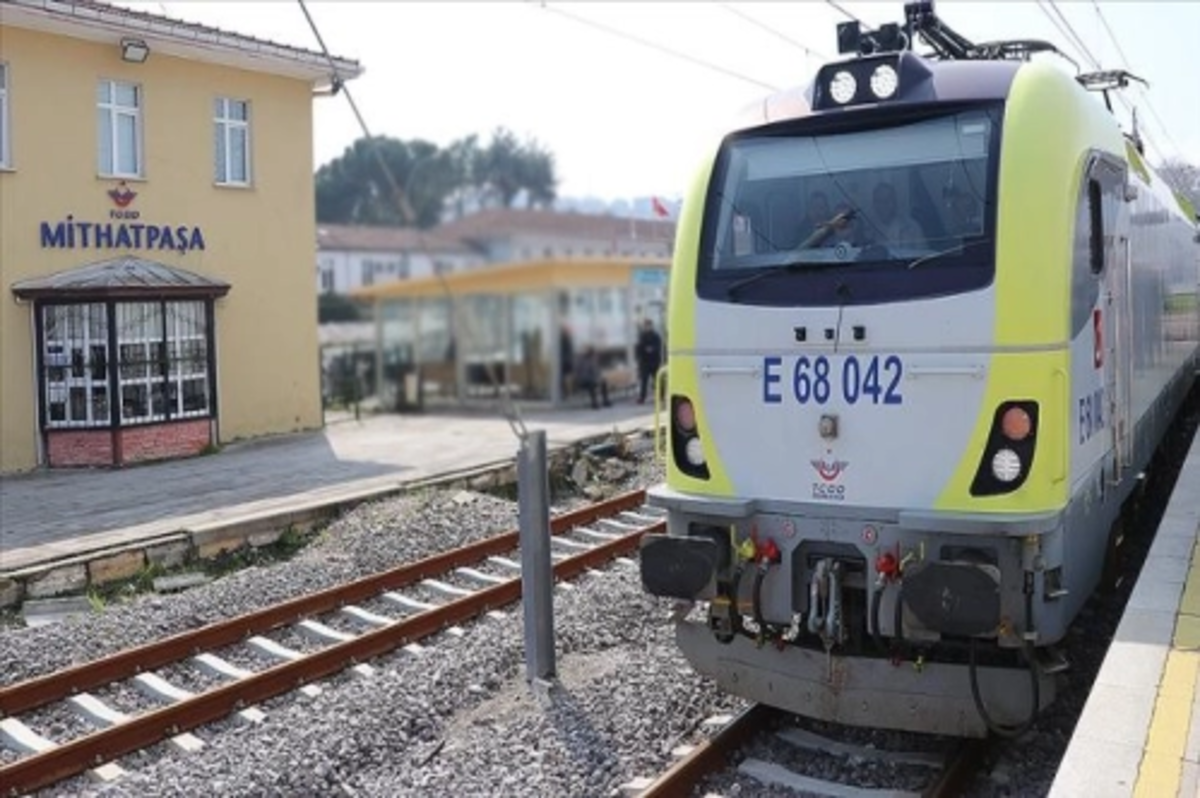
(884, 81)
(695, 452)
(842, 87)
(1006, 465)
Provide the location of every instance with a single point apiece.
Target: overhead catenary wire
(732, 9)
(511, 413)
(679, 54)
(1128, 65)
(838, 6)
(1064, 26)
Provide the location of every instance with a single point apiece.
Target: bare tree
(1183, 177)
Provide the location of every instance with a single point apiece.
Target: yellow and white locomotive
(929, 318)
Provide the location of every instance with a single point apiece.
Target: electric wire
(843, 11)
(511, 413)
(1144, 94)
(631, 37)
(737, 12)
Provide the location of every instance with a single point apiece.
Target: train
(930, 315)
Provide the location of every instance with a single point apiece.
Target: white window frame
(224, 124)
(5, 128)
(80, 333)
(114, 111)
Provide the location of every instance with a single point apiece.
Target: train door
(1111, 258)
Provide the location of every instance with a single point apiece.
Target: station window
(161, 366)
(119, 128)
(75, 359)
(231, 132)
(5, 155)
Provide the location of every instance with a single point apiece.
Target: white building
(351, 257)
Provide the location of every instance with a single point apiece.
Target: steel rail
(707, 757)
(963, 764)
(42, 690)
(142, 731)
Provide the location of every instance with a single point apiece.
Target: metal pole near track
(537, 575)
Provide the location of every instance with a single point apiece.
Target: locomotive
(929, 317)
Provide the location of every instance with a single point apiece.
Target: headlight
(884, 81)
(695, 452)
(842, 87)
(1006, 465)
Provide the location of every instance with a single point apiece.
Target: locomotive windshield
(860, 216)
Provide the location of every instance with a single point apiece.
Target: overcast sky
(625, 119)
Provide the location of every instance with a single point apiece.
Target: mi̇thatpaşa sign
(123, 230)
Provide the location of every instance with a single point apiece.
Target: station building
(157, 230)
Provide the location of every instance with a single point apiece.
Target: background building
(350, 257)
(353, 257)
(156, 208)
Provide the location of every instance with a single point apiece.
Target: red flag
(659, 208)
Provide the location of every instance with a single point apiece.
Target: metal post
(537, 576)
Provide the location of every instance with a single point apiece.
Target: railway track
(476, 579)
(951, 769)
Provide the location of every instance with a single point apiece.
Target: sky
(633, 118)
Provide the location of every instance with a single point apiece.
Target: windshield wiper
(771, 271)
(956, 248)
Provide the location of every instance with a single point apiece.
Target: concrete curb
(76, 573)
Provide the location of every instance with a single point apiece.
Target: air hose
(1000, 729)
(759, 575)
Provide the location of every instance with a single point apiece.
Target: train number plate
(819, 380)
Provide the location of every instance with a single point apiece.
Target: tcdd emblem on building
(122, 195)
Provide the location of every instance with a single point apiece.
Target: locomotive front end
(867, 455)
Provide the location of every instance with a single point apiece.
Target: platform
(48, 516)
(1139, 734)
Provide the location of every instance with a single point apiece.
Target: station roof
(125, 278)
(364, 238)
(495, 223)
(104, 22)
(526, 277)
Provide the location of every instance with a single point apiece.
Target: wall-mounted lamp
(135, 51)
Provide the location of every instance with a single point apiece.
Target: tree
(355, 189)
(508, 168)
(1183, 177)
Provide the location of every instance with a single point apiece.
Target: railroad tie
(223, 669)
(592, 534)
(802, 738)
(366, 616)
(772, 774)
(319, 631)
(20, 737)
(276, 651)
(104, 716)
(504, 562)
(569, 545)
(480, 576)
(409, 603)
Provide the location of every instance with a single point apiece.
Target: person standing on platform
(649, 357)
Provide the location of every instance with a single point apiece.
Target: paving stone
(42, 612)
(58, 581)
(169, 584)
(169, 555)
(116, 567)
(11, 592)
